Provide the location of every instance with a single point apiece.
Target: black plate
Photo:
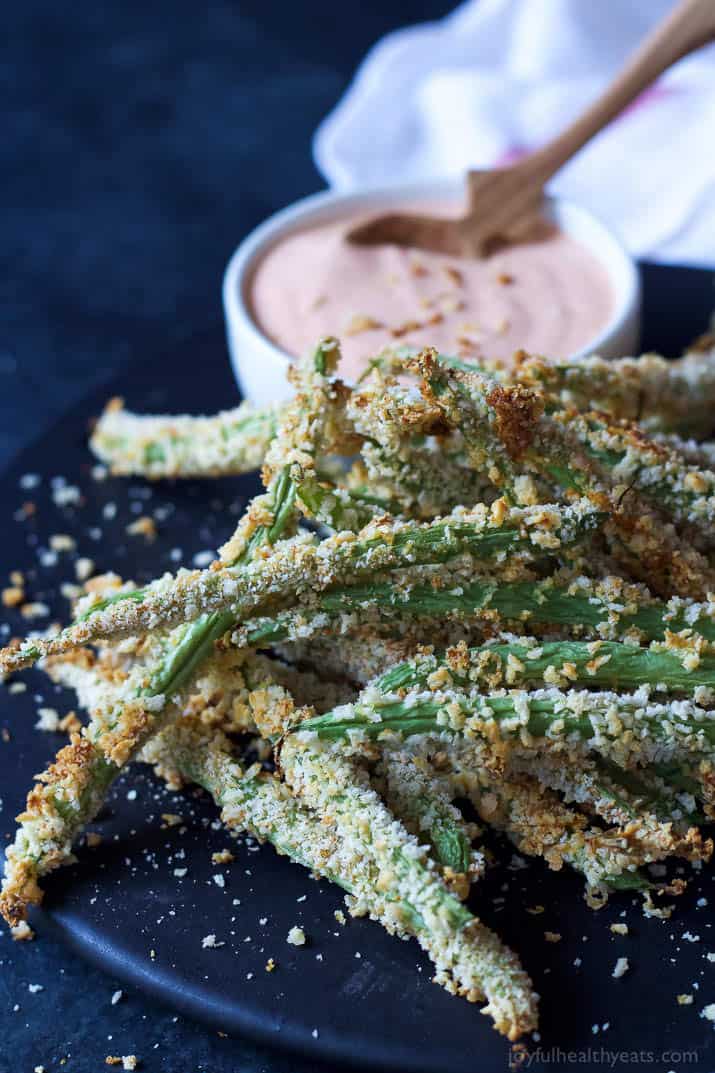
(352, 993)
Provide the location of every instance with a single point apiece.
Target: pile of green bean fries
(461, 584)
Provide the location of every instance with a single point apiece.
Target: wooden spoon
(505, 205)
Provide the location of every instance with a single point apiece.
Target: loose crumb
(203, 558)
(619, 929)
(552, 936)
(144, 526)
(684, 1000)
(224, 856)
(35, 609)
(296, 936)
(65, 495)
(405, 329)
(70, 723)
(48, 720)
(22, 932)
(361, 323)
(454, 275)
(209, 942)
(651, 910)
(620, 969)
(62, 542)
(83, 568)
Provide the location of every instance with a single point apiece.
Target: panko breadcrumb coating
(477, 584)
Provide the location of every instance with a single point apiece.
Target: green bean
(607, 609)
(419, 798)
(539, 823)
(661, 475)
(509, 437)
(464, 950)
(298, 571)
(527, 662)
(406, 449)
(157, 447)
(70, 792)
(415, 798)
(663, 396)
(629, 728)
(119, 730)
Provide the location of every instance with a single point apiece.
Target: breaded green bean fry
(466, 953)
(299, 570)
(511, 438)
(663, 396)
(157, 447)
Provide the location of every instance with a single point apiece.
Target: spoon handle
(690, 25)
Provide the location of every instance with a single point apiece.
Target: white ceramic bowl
(260, 365)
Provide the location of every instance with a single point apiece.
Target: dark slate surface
(138, 146)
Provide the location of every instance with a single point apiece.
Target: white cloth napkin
(497, 78)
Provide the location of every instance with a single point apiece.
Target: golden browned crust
(72, 768)
(517, 412)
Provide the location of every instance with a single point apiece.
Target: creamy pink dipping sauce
(548, 297)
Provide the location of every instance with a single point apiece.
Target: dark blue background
(138, 144)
